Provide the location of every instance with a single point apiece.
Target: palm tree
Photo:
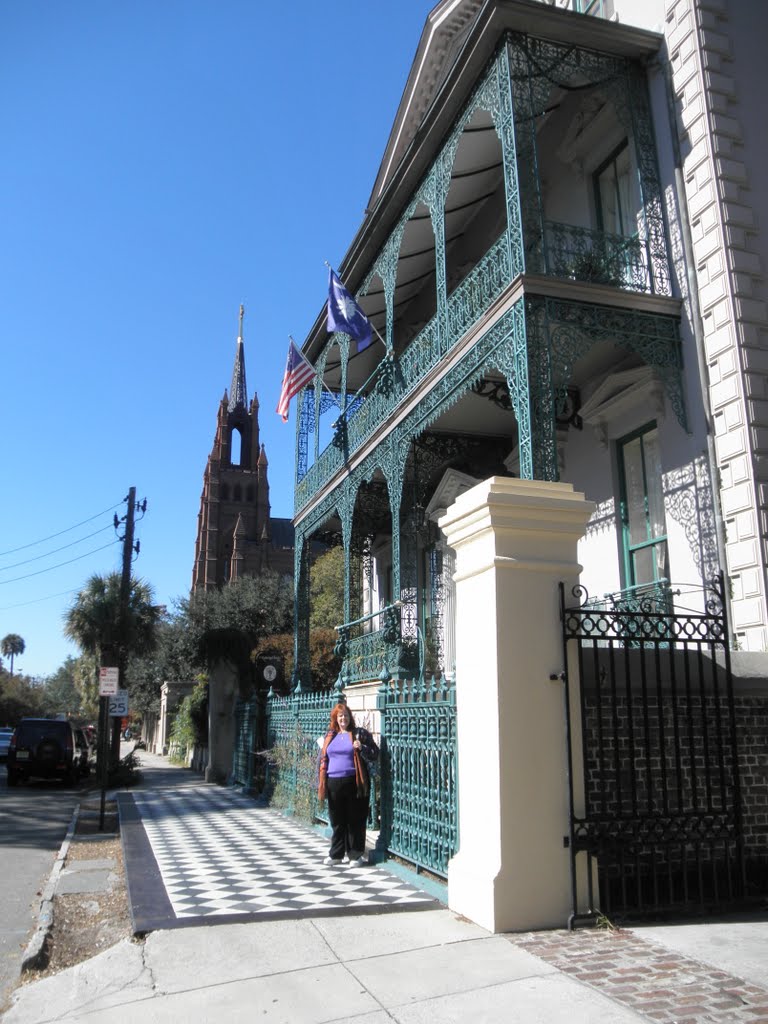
(100, 626)
(96, 623)
(11, 645)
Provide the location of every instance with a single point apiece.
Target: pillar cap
(537, 506)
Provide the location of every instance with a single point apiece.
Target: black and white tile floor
(205, 855)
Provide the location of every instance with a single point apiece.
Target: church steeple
(238, 393)
(236, 535)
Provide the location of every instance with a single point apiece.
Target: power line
(38, 600)
(55, 551)
(59, 564)
(51, 536)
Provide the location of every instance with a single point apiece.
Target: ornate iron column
(302, 673)
(522, 97)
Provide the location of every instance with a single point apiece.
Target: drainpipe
(698, 329)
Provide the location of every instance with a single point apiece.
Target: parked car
(43, 748)
(5, 742)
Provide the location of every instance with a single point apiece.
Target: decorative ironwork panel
(479, 289)
(661, 811)
(652, 201)
(574, 327)
(305, 425)
(295, 724)
(368, 652)
(598, 257)
(419, 799)
(529, 99)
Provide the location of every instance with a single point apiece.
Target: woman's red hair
(333, 726)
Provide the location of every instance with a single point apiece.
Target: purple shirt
(341, 759)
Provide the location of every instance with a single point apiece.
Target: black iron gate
(652, 722)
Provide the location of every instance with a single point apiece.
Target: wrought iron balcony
(597, 257)
(571, 252)
(644, 598)
(397, 379)
(368, 652)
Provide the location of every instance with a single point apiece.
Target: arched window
(238, 493)
(225, 492)
(235, 446)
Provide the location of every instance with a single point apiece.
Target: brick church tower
(235, 534)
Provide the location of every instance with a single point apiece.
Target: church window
(249, 494)
(225, 492)
(238, 493)
(235, 446)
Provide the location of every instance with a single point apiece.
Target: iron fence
(660, 813)
(419, 799)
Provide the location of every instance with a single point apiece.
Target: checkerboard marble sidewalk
(202, 854)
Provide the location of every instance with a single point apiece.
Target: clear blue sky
(164, 161)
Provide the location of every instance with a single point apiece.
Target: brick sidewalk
(654, 981)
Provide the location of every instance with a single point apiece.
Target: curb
(35, 953)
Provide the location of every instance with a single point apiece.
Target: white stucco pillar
(515, 540)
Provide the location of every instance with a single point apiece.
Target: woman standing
(344, 782)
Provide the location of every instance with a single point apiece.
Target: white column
(515, 540)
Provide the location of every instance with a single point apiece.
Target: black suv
(43, 748)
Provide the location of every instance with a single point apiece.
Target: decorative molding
(617, 396)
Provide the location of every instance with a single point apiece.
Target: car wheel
(13, 779)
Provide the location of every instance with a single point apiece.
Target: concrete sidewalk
(409, 967)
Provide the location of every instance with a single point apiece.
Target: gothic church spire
(238, 393)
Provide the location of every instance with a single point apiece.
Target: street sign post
(118, 705)
(109, 681)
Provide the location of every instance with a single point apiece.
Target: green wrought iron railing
(399, 378)
(370, 645)
(295, 724)
(644, 611)
(597, 257)
(653, 597)
(414, 793)
(419, 785)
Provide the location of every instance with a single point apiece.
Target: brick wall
(650, 757)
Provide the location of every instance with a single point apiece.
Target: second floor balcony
(573, 195)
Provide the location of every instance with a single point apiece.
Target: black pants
(348, 813)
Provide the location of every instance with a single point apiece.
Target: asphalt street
(33, 822)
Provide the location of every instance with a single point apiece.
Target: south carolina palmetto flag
(298, 373)
(345, 315)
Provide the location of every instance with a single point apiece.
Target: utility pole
(109, 746)
(125, 598)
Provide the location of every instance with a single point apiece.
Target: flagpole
(331, 393)
(373, 325)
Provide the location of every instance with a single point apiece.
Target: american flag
(298, 372)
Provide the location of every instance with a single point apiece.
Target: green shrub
(190, 726)
(125, 772)
(292, 776)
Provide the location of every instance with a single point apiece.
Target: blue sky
(164, 161)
